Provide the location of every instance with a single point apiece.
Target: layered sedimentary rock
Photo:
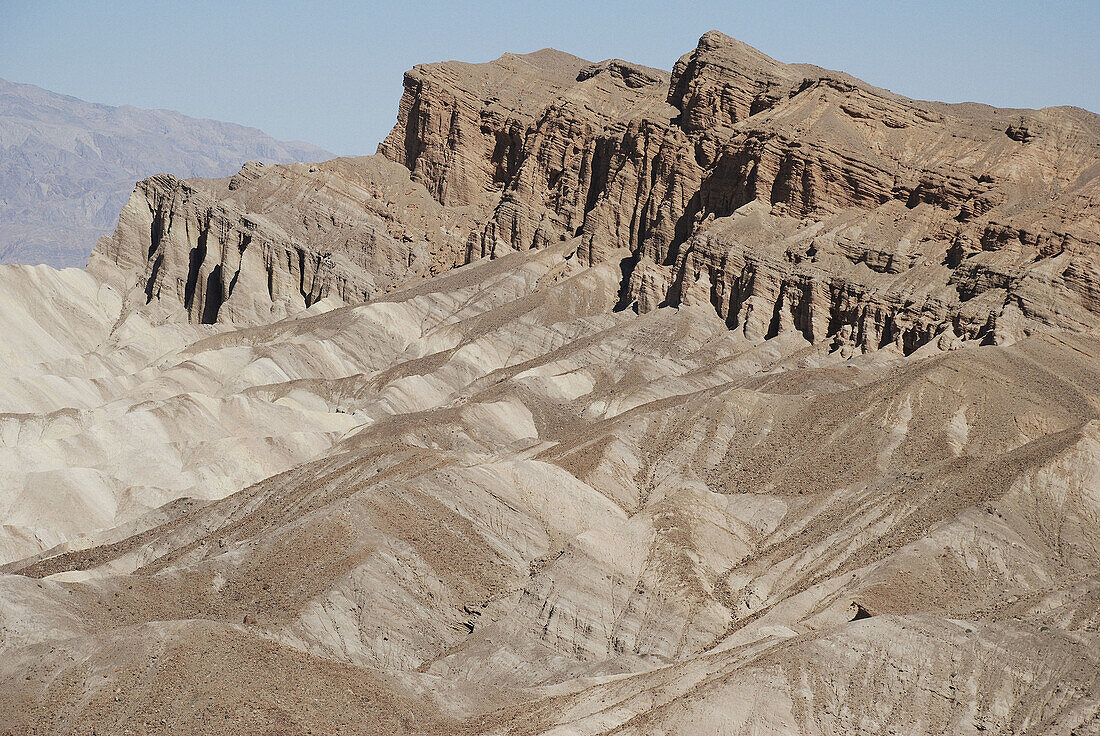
(846, 187)
(788, 196)
(107, 415)
(763, 401)
(273, 240)
(517, 511)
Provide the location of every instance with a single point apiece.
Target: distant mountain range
(68, 166)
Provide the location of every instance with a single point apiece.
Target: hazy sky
(330, 72)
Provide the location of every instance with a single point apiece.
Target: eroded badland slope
(745, 399)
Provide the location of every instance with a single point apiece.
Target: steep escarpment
(460, 126)
(848, 187)
(789, 197)
(273, 240)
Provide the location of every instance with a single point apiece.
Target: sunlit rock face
(745, 399)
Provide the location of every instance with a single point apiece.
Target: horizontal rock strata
(788, 196)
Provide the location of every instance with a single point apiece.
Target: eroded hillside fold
(745, 399)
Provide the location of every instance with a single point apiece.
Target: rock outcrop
(789, 197)
(274, 240)
(841, 190)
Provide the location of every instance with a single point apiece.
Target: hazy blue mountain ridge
(68, 166)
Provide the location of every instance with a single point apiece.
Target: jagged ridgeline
(787, 196)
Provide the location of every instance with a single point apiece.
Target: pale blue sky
(330, 72)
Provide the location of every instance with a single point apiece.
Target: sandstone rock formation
(787, 196)
(67, 166)
(858, 216)
(776, 409)
(271, 241)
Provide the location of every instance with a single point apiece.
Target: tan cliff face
(274, 240)
(862, 217)
(787, 196)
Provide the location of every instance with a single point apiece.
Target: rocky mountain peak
(724, 81)
(717, 47)
(631, 75)
(547, 59)
(787, 197)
